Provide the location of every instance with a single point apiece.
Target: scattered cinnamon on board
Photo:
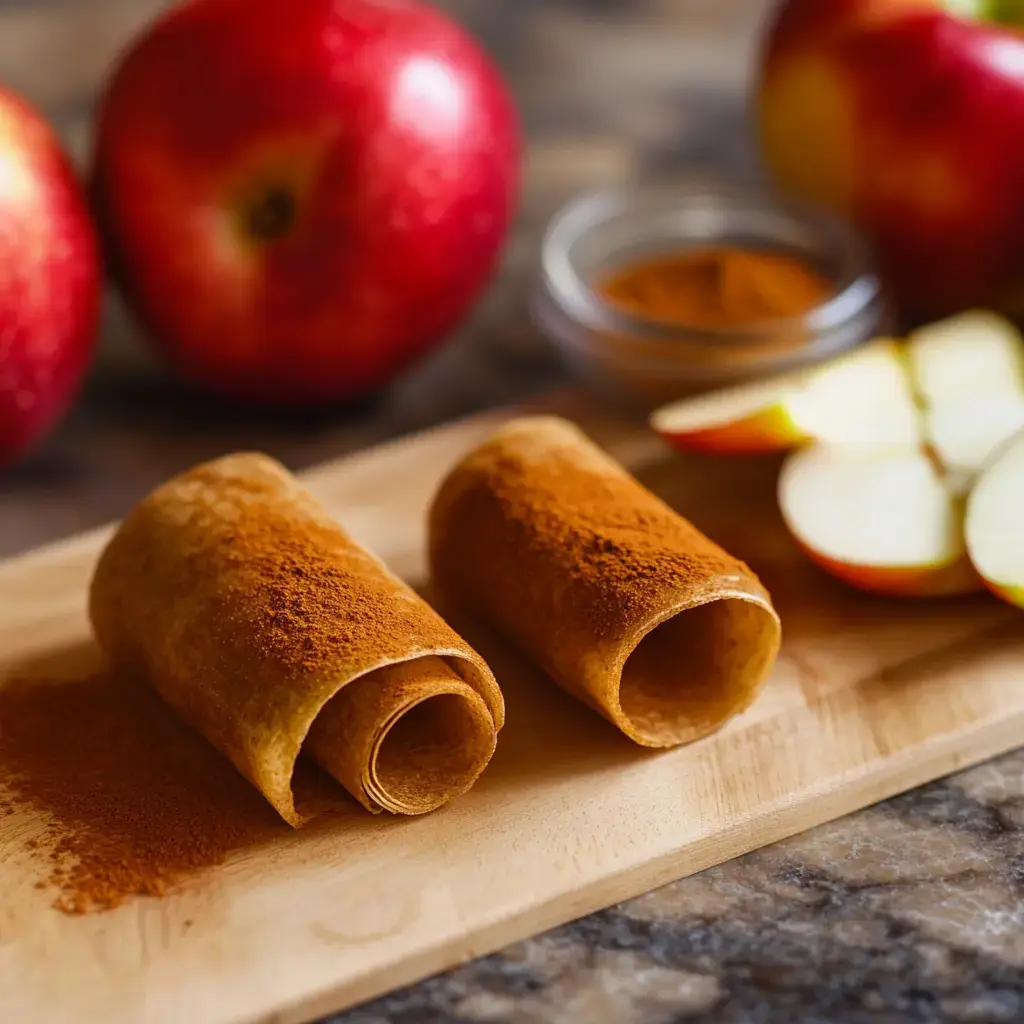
(135, 801)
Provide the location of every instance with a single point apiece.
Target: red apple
(907, 116)
(49, 278)
(302, 198)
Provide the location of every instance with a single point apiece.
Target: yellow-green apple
(301, 198)
(860, 398)
(906, 116)
(49, 278)
(880, 520)
(995, 522)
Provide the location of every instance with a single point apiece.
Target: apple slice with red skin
(892, 522)
(751, 419)
(995, 522)
(863, 397)
(902, 431)
(884, 521)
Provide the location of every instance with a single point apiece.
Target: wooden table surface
(908, 911)
(609, 90)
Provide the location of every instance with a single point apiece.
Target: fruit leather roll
(619, 599)
(266, 626)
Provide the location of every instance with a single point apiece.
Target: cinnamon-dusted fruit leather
(619, 599)
(262, 623)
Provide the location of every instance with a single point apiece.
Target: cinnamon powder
(134, 800)
(305, 610)
(618, 542)
(718, 287)
(235, 595)
(624, 603)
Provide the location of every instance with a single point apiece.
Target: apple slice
(995, 523)
(882, 521)
(969, 373)
(862, 398)
(964, 434)
(973, 353)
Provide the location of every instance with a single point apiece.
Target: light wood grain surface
(908, 911)
(867, 699)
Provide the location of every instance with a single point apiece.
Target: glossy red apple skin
(907, 119)
(394, 140)
(50, 278)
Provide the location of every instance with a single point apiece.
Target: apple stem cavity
(272, 215)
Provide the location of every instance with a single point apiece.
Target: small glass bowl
(646, 361)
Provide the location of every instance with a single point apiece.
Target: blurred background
(609, 92)
(908, 911)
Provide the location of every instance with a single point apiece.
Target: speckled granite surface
(909, 911)
(912, 911)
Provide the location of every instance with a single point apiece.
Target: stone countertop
(909, 911)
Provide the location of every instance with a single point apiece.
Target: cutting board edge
(315, 476)
(892, 777)
(867, 782)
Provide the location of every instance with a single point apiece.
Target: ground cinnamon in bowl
(717, 287)
(720, 309)
(654, 293)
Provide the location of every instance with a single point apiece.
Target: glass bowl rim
(858, 287)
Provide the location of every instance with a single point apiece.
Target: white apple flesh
(894, 437)
(969, 373)
(965, 434)
(882, 521)
(976, 353)
(863, 398)
(995, 523)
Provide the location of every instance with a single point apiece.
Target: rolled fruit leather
(234, 594)
(541, 535)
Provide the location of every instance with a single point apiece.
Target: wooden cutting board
(868, 698)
